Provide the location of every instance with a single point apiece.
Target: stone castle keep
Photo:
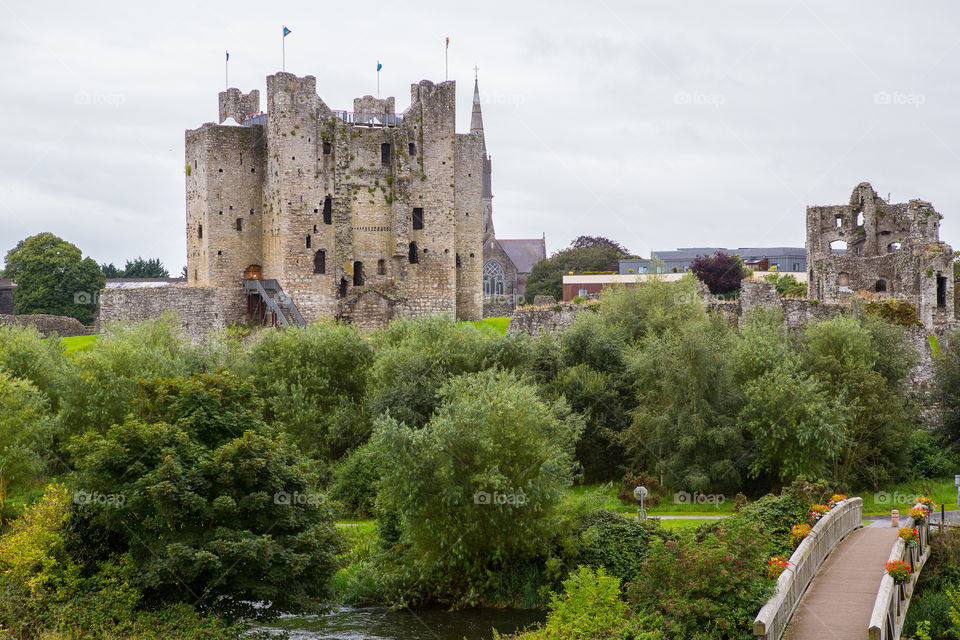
(363, 215)
(890, 249)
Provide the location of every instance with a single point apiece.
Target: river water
(378, 623)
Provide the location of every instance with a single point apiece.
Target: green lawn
(684, 525)
(78, 343)
(902, 496)
(606, 496)
(491, 326)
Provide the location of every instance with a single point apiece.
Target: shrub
(722, 273)
(227, 505)
(590, 608)
(706, 588)
(355, 481)
(930, 456)
(106, 376)
(607, 540)
(24, 353)
(313, 381)
(932, 607)
(894, 311)
(475, 489)
(416, 357)
(629, 482)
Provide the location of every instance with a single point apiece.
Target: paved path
(839, 601)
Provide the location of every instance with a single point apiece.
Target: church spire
(476, 119)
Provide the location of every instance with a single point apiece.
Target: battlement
(237, 105)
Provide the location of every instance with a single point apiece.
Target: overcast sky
(659, 124)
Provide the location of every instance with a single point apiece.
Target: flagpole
(284, 47)
(226, 72)
(446, 60)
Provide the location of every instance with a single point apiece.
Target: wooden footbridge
(836, 586)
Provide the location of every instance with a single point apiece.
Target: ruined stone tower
(363, 215)
(890, 249)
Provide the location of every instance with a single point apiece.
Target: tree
(947, 387)
(584, 242)
(797, 428)
(111, 270)
(546, 278)
(53, 277)
(313, 381)
(140, 268)
(137, 268)
(843, 355)
(722, 273)
(684, 427)
(417, 356)
(476, 489)
(214, 507)
(23, 420)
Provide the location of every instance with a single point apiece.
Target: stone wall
(63, 326)
(202, 310)
(535, 320)
(501, 309)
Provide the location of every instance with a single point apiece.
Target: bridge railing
(890, 607)
(823, 538)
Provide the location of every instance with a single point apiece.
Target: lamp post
(640, 493)
(956, 481)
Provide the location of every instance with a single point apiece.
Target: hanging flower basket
(775, 566)
(798, 533)
(898, 570)
(919, 514)
(909, 535)
(927, 503)
(836, 499)
(817, 511)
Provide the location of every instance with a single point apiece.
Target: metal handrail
(834, 526)
(271, 303)
(286, 301)
(370, 119)
(886, 619)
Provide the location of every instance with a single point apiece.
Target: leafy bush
(947, 386)
(705, 589)
(629, 482)
(475, 489)
(313, 381)
(607, 540)
(930, 456)
(104, 380)
(722, 273)
(895, 311)
(24, 353)
(416, 356)
(355, 482)
(787, 285)
(590, 608)
(684, 426)
(932, 607)
(222, 512)
(25, 432)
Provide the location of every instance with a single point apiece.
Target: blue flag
(286, 32)
(228, 55)
(379, 66)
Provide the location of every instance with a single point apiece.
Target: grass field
(492, 326)
(606, 495)
(78, 343)
(902, 496)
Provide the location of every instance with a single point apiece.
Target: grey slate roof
(525, 253)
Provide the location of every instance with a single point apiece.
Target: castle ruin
(363, 216)
(893, 250)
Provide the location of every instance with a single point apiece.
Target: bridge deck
(839, 601)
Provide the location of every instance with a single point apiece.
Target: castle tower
(362, 215)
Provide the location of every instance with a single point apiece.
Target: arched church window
(493, 278)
